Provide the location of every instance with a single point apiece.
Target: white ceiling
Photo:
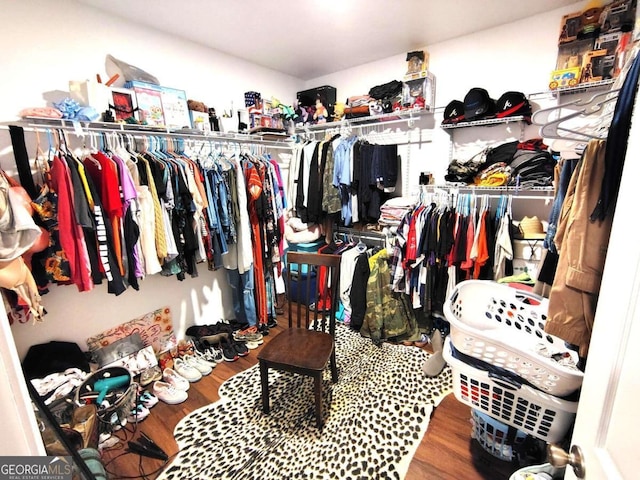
(311, 38)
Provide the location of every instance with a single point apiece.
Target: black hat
(478, 104)
(454, 112)
(512, 104)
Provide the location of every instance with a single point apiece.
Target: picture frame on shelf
(175, 108)
(123, 104)
(148, 96)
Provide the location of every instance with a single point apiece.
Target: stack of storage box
(505, 365)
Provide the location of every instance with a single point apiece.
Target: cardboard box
(90, 93)
(568, 77)
(175, 109)
(200, 121)
(149, 98)
(570, 27)
(593, 66)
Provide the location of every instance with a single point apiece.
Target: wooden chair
(308, 345)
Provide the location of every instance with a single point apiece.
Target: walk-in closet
(319, 240)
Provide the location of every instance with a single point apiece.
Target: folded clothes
(310, 234)
(297, 224)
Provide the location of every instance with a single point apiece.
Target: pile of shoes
(171, 383)
(227, 340)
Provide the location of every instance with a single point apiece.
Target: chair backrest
(313, 278)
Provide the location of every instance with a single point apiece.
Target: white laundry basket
(504, 326)
(526, 408)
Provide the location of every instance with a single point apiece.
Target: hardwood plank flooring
(446, 452)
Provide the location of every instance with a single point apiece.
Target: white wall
(46, 44)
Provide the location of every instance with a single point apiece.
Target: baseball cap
(512, 104)
(478, 104)
(453, 112)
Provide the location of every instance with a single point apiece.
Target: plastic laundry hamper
(528, 409)
(493, 436)
(504, 326)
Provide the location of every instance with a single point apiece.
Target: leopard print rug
(375, 417)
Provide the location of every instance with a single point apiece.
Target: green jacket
(389, 314)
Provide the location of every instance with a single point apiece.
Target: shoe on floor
(241, 348)
(168, 393)
(250, 334)
(198, 363)
(229, 353)
(148, 399)
(150, 375)
(185, 370)
(138, 414)
(217, 354)
(173, 378)
(207, 357)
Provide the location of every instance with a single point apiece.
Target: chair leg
(334, 368)
(317, 383)
(264, 381)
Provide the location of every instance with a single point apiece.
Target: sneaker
(215, 353)
(171, 377)
(250, 334)
(199, 364)
(138, 414)
(229, 353)
(272, 322)
(241, 348)
(168, 393)
(150, 375)
(251, 345)
(207, 358)
(148, 399)
(185, 370)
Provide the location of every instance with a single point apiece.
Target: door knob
(559, 458)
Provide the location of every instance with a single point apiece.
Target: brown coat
(582, 246)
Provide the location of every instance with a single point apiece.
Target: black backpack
(503, 153)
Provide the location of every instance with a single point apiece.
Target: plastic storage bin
(493, 436)
(310, 247)
(504, 326)
(297, 288)
(528, 409)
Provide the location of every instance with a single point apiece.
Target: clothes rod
(120, 129)
(365, 235)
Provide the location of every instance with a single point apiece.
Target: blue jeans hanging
(244, 304)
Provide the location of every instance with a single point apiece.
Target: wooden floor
(446, 452)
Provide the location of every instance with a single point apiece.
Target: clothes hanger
(593, 128)
(580, 106)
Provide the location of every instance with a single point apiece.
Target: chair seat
(299, 348)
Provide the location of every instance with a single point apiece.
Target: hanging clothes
(388, 315)
(582, 246)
